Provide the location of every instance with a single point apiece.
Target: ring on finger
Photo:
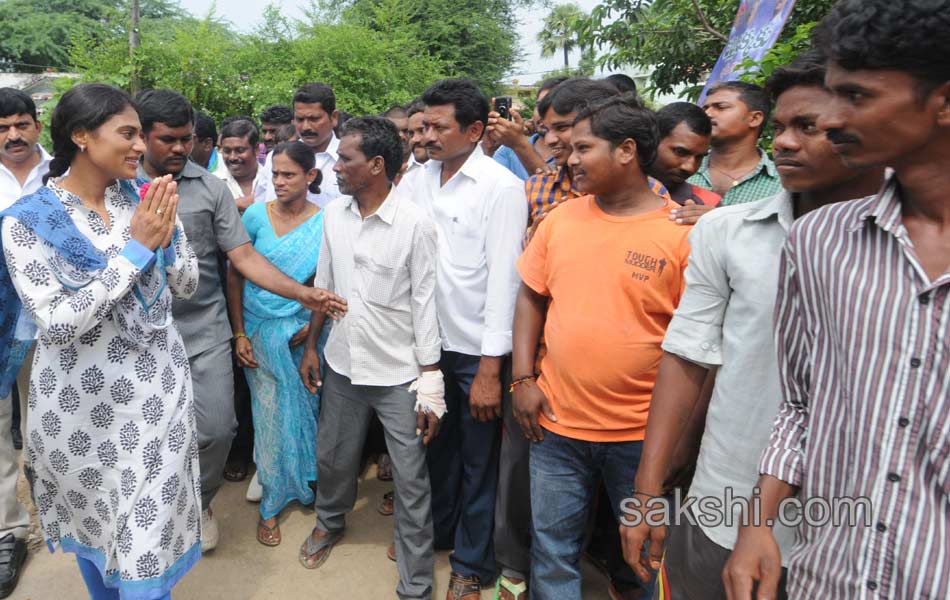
(159, 211)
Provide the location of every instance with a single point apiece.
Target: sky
(245, 14)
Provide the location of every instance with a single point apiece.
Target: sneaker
(12, 556)
(254, 490)
(209, 531)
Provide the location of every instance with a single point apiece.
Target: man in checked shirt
(861, 324)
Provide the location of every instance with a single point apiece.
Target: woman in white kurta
(111, 435)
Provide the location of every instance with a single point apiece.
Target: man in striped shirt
(722, 330)
(861, 324)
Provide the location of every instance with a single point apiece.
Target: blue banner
(758, 24)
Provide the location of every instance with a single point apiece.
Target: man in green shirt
(736, 168)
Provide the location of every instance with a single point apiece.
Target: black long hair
(301, 154)
(86, 106)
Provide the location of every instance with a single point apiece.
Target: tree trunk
(566, 63)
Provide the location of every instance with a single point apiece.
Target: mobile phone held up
(503, 106)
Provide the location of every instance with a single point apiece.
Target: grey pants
(345, 413)
(14, 517)
(692, 566)
(212, 381)
(513, 500)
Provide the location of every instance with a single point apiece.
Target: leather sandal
(387, 505)
(384, 468)
(463, 588)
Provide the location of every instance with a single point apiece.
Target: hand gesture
(300, 337)
(320, 300)
(689, 213)
(153, 223)
(310, 370)
(245, 352)
(527, 401)
(756, 557)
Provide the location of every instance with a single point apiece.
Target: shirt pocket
(466, 247)
(383, 285)
(199, 231)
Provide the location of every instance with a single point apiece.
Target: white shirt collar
(386, 211)
(473, 167)
(332, 147)
(42, 166)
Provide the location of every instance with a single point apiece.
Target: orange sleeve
(533, 263)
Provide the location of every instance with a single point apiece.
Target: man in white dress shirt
(23, 163)
(379, 251)
(315, 117)
(480, 212)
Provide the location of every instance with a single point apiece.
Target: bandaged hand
(430, 393)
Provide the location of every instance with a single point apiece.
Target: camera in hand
(503, 106)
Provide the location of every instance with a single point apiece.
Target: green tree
(225, 73)
(477, 39)
(39, 33)
(560, 31)
(680, 39)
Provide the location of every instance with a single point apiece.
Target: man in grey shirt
(379, 250)
(724, 321)
(210, 216)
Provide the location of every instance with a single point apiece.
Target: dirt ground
(242, 569)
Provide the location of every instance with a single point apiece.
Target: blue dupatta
(44, 214)
(295, 254)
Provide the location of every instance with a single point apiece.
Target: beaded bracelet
(519, 381)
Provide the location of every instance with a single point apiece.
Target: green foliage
(37, 33)
(224, 73)
(375, 53)
(669, 35)
(476, 39)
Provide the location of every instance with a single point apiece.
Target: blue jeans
(564, 477)
(463, 469)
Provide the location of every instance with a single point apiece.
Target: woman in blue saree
(269, 331)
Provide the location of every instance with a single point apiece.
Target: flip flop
(518, 591)
(309, 548)
(269, 536)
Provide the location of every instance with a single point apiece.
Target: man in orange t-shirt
(607, 269)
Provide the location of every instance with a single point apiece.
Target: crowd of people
(548, 327)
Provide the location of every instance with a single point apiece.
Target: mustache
(837, 136)
(14, 144)
(308, 133)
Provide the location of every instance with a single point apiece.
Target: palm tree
(560, 30)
